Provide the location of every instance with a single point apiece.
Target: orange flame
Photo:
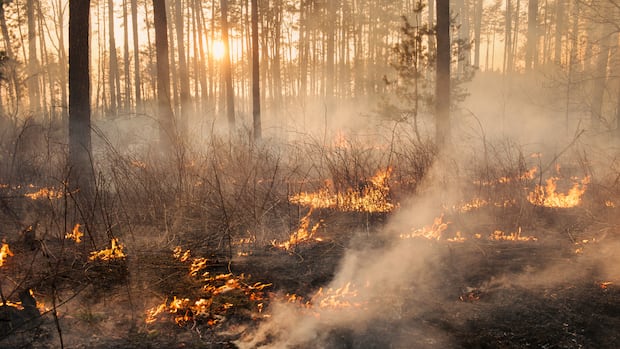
(75, 235)
(45, 193)
(301, 234)
(114, 252)
(373, 197)
(548, 197)
(431, 232)
(5, 252)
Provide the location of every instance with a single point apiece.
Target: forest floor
(552, 292)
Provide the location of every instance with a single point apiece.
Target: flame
(431, 232)
(5, 252)
(114, 252)
(302, 234)
(209, 308)
(548, 197)
(609, 203)
(75, 235)
(343, 297)
(527, 175)
(49, 193)
(499, 235)
(605, 284)
(372, 197)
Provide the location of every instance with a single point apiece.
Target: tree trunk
(600, 78)
(33, 63)
(184, 97)
(560, 24)
(113, 82)
(532, 35)
(442, 92)
(255, 74)
(126, 64)
(508, 38)
(167, 130)
(227, 69)
(79, 160)
(136, 56)
(477, 32)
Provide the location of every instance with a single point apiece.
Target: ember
(44, 193)
(499, 235)
(5, 252)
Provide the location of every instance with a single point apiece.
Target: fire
(213, 304)
(5, 252)
(527, 175)
(548, 197)
(343, 297)
(499, 235)
(372, 197)
(181, 255)
(431, 232)
(75, 235)
(45, 193)
(302, 234)
(114, 252)
(609, 203)
(605, 284)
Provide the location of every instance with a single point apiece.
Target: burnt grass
(483, 293)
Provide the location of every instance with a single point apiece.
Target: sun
(218, 49)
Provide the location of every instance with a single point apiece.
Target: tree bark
(167, 130)
(79, 160)
(184, 96)
(255, 74)
(33, 63)
(532, 35)
(226, 67)
(442, 92)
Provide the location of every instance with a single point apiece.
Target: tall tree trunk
(600, 77)
(508, 38)
(226, 67)
(174, 97)
(62, 60)
(79, 159)
(14, 93)
(184, 97)
(331, 31)
(167, 129)
(442, 91)
(136, 56)
(113, 81)
(560, 28)
(255, 74)
(304, 49)
(532, 35)
(126, 64)
(477, 31)
(33, 62)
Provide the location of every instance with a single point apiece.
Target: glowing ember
(605, 284)
(527, 175)
(75, 235)
(302, 234)
(5, 252)
(499, 235)
(112, 253)
(609, 203)
(44, 193)
(181, 255)
(372, 197)
(548, 197)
